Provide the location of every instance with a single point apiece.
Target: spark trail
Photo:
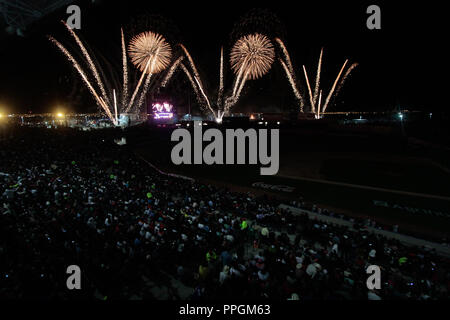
(88, 58)
(309, 90)
(319, 69)
(171, 71)
(85, 79)
(316, 106)
(158, 57)
(125, 67)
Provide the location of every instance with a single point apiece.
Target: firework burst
(253, 53)
(316, 95)
(150, 52)
(108, 101)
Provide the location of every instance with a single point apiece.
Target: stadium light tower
(19, 14)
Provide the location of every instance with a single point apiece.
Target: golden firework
(252, 55)
(150, 52)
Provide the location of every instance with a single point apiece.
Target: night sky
(402, 65)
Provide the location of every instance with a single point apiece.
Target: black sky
(399, 64)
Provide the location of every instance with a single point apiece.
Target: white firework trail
(109, 104)
(347, 73)
(311, 100)
(205, 96)
(125, 69)
(291, 79)
(244, 79)
(336, 87)
(199, 92)
(289, 70)
(330, 94)
(130, 103)
(92, 66)
(115, 107)
(196, 80)
(286, 55)
(220, 94)
(256, 52)
(240, 81)
(238, 78)
(171, 71)
(144, 90)
(318, 105)
(319, 68)
(193, 84)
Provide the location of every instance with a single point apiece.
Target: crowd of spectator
(77, 198)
